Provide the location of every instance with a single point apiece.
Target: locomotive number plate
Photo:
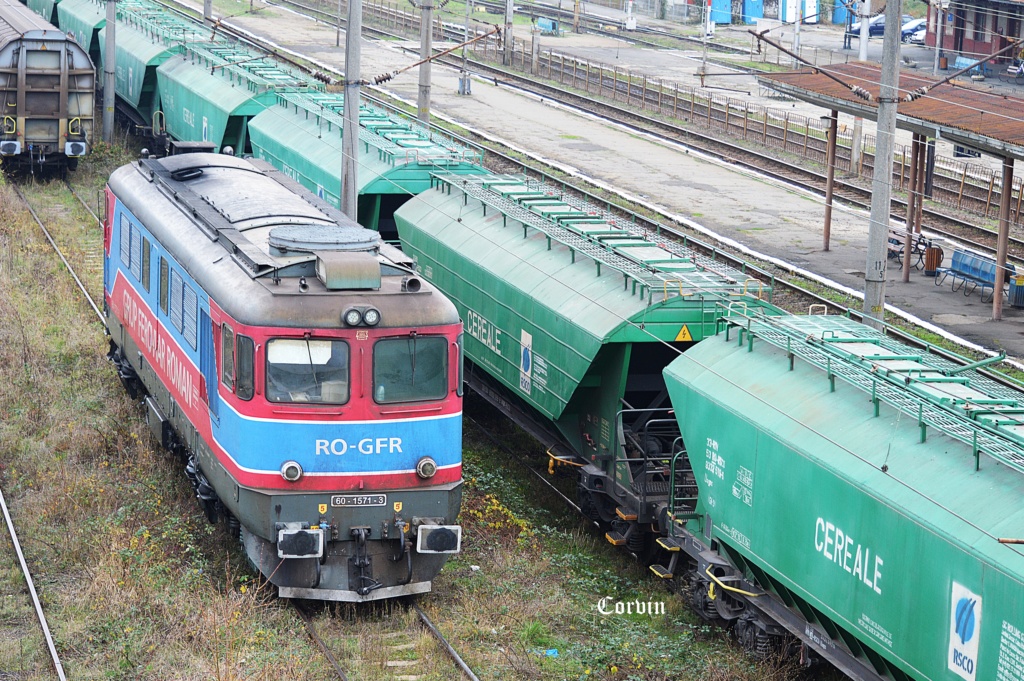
(359, 500)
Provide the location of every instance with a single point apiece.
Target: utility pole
(208, 10)
(939, 37)
(464, 80)
(881, 182)
(508, 33)
(426, 34)
(576, 16)
(862, 55)
(108, 75)
(337, 35)
(796, 35)
(350, 131)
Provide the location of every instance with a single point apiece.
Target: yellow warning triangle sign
(684, 334)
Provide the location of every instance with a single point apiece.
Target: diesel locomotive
(47, 92)
(311, 380)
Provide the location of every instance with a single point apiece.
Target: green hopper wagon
(571, 314)
(302, 137)
(82, 20)
(861, 494)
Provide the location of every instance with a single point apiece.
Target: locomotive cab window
(307, 371)
(227, 357)
(163, 285)
(410, 369)
(146, 254)
(245, 371)
(237, 363)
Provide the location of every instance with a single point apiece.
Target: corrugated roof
(980, 117)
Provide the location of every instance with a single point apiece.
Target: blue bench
(970, 271)
(983, 68)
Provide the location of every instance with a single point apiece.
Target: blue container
(721, 11)
(752, 11)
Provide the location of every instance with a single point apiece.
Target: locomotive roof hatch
(346, 255)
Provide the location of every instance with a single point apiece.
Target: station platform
(741, 209)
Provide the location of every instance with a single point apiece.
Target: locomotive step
(615, 539)
(661, 571)
(625, 513)
(668, 543)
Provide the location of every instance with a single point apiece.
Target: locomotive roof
(254, 239)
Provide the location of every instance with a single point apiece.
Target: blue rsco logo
(965, 619)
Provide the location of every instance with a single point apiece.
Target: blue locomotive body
(296, 362)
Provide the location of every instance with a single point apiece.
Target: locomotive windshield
(307, 371)
(410, 369)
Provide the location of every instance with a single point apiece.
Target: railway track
(940, 223)
(399, 654)
(954, 229)
(44, 627)
(943, 224)
(400, 659)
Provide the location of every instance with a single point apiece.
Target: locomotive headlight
(291, 471)
(426, 467)
(352, 317)
(371, 317)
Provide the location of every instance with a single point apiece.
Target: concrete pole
(350, 132)
(858, 122)
(938, 36)
(796, 36)
(534, 50)
(109, 84)
(426, 35)
(337, 35)
(922, 159)
(464, 79)
(507, 59)
(915, 158)
(881, 182)
(833, 134)
(208, 10)
(1004, 237)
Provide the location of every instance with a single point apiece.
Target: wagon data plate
(359, 500)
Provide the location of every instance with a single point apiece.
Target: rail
(54, 657)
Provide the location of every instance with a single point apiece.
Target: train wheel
(701, 601)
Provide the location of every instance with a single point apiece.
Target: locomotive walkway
(742, 208)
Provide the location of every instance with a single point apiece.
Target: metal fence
(962, 185)
(966, 186)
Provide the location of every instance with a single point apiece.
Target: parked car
(876, 25)
(917, 38)
(910, 28)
